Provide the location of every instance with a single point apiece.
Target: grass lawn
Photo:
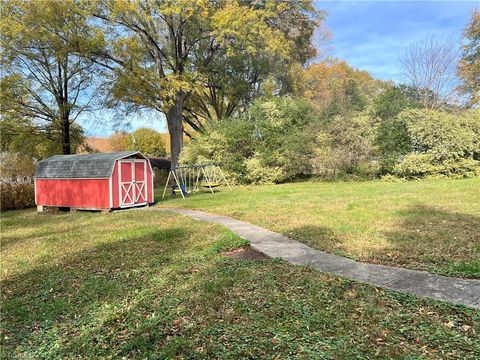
(429, 225)
(146, 284)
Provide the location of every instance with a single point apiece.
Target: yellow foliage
(240, 27)
(325, 81)
(469, 66)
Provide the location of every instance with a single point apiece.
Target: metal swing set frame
(191, 178)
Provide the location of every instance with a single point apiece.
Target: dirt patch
(246, 253)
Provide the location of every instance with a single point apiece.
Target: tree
(271, 142)
(392, 136)
(429, 67)
(333, 87)
(163, 54)
(148, 141)
(393, 101)
(345, 145)
(469, 66)
(48, 84)
(25, 135)
(119, 141)
(234, 80)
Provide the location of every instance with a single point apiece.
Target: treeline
(237, 79)
(190, 62)
(342, 124)
(337, 122)
(148, 141)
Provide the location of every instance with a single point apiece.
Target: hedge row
(17, 195)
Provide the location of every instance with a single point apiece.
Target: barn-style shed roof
(83, 166)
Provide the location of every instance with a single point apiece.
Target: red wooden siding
(127, 195)
(85, 193)
(131, 181)
(140, 183)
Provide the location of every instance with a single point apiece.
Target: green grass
(430, 225)
(145, 284)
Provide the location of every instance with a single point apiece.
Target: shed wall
(86, 193)
(150, 175)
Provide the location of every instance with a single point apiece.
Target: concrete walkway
(421, 283)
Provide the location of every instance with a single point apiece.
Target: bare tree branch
(429, 67)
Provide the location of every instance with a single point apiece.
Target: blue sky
(103, 124)
(369, 35)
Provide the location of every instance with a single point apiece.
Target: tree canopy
(148, 141)
(469, 66)
(333, 87)
(193, 60)
(45, 82)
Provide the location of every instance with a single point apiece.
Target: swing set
(192, 178)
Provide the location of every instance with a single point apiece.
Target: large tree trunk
(175, 128)
(66, 135)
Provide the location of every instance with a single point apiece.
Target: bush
(445, 144)
(258, 173)
(345, 148)
(441, 134)
(17, 191)
(16, 195)
(392, 178)
(272, 142)
(425, 165)
(393, 142)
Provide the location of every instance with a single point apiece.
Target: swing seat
(182, 189)
(207, 184)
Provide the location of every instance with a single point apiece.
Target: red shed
(101, 181)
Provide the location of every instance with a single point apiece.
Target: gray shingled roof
(80, 166)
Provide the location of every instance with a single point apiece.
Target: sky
(369, 35)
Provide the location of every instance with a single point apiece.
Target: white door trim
(127, 186)
(133, 189)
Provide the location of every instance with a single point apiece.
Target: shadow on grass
(422, 238)
(33, 224)
(436, 240)
(47, 298)
(168, 294)
(318, 237)
(7, 242)
(126, 298)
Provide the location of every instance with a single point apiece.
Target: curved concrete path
(454, 290)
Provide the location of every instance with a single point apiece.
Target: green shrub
(258, 173)
(16, 195)
(272, 142)
(345, 147)
(393, 142)
(425, 165)
(441, 134)
(392, 178)
(445, 144)
(392, 136)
